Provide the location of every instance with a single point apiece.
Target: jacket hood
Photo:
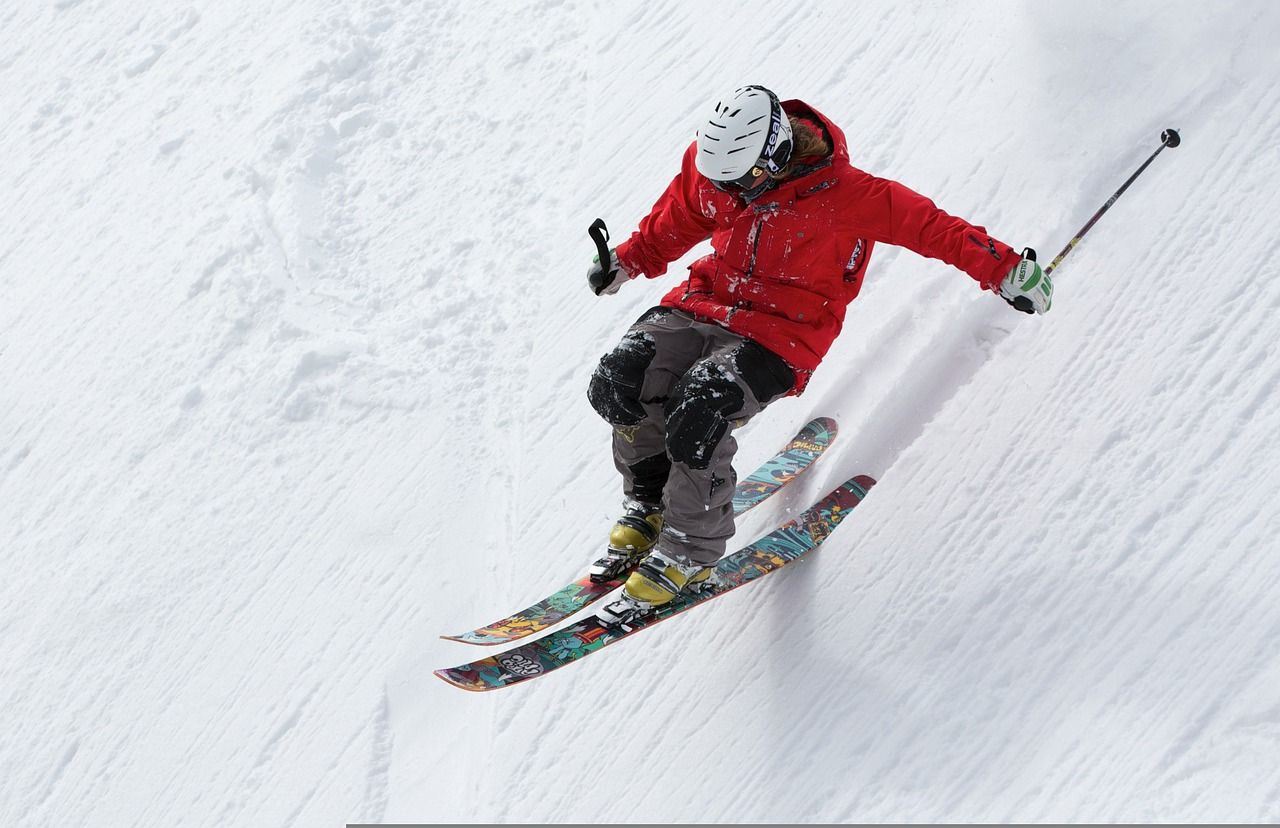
(839, 145)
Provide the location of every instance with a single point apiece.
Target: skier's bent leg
(701, 447)
(717, 395)
(627, 390)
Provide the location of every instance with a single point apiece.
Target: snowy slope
(294, 343)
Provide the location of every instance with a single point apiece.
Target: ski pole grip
(600, 235)
(1029, 253)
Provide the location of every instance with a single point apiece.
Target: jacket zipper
(754, 234)
(757, 227)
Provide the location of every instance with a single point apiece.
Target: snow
(294, 344)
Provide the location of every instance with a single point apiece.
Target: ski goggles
(746, 181)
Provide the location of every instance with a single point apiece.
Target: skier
(792, 227)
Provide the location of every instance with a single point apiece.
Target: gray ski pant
(673, 390)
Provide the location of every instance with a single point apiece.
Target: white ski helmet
(746, 134)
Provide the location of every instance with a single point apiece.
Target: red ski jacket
(784, 267)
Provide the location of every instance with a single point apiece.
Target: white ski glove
(606, 281)
(1027, 287)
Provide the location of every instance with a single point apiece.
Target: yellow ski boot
(657, 581)
(632, 537)
(660, 578)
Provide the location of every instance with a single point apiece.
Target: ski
(797, 456)
(557, 649)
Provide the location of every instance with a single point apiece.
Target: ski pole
(1168, 138)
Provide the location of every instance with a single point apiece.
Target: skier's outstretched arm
(894, 213)
(899, 215)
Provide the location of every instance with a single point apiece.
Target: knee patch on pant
(615, 386)
(764, 372)
(698, 414)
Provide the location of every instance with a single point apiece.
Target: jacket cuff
(631, 258)
(1008, 261)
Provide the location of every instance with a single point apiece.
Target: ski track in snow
(295, 343)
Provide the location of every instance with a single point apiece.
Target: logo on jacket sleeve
(854, 260)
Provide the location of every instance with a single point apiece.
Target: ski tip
(860, 485)
(826, 424)
(852, 491)
(444, 676)
(472, 638)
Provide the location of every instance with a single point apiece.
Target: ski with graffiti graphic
(565, 646)
(788, 464)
